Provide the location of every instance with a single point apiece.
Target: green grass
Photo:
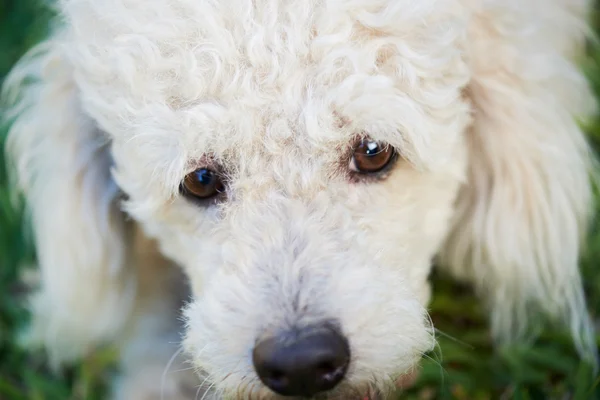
(465, 366)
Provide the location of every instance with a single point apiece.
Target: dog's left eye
(370, 157)
(202, 183)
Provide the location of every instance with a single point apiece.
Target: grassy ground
(464, 366)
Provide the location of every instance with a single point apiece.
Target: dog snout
(304, 363)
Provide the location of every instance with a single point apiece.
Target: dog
(269, 182)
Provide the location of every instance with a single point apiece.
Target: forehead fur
(172, 80)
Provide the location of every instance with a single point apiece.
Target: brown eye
(202, 184)
(370, 157)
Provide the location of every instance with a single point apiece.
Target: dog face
(300, 164)
(300, 160)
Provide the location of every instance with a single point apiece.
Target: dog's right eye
(202, 183)
(370, 157)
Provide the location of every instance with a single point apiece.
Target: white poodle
(286, 171)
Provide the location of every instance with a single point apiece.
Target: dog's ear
(62, 163)
(521, 217)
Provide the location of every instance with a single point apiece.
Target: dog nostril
(310, 363)
(325, 367)
(276, 375)
(276, 378)
(328, 371)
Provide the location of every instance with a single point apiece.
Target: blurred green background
(464, 366)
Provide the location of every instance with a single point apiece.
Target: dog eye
(370, 157)
(202, 183)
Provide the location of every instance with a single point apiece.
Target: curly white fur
(479, 97)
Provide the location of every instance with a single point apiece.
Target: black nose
(304, 363)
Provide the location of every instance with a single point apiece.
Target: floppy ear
(522, 216)
(63, 167)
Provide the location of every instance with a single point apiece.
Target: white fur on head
(274, 94)
(63, 163)
(522, 216)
